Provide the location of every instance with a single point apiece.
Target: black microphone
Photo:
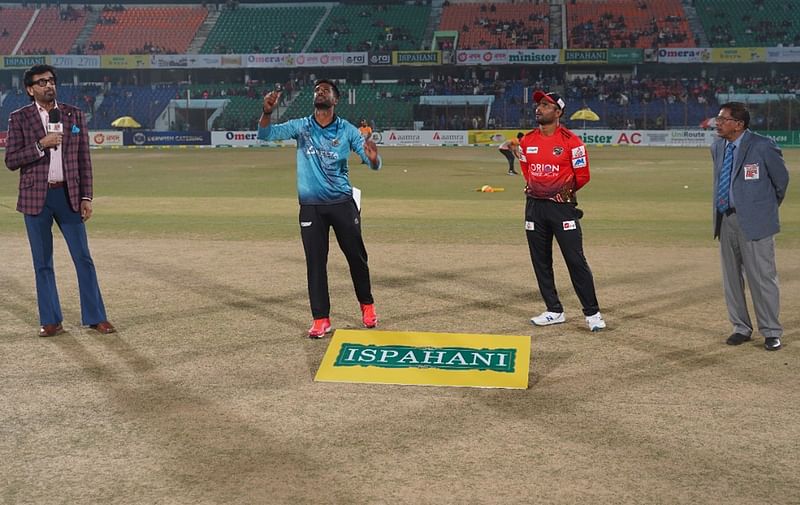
(55, 126)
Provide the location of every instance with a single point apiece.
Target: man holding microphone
(48, 143)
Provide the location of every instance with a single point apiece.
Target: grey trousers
(753, 260)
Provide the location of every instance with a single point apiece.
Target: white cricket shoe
(547, 318)
(595, 322)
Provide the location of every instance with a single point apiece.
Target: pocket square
(75, 129)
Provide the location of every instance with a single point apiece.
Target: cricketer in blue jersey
(324, 143)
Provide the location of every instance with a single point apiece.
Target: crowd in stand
(70, 14)
(512, 33)
(611, 31)
(626, 90)
(150, 48)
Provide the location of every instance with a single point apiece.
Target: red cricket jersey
(554, 166)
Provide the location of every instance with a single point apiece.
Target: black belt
(54, 185)
(730, 211)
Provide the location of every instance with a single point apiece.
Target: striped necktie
(724, 184)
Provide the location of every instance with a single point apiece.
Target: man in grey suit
(750, 180)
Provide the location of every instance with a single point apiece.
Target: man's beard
(322, 104)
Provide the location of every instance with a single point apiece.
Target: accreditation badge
(751, 172)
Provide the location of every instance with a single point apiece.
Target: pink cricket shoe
(368, 316)
(320, 327)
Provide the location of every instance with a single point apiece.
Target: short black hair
(36, 70)
(520, 135)
(739, 112)
(330, 83)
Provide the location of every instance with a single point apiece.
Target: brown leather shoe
(103, 327)
(51, 330)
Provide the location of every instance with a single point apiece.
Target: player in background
(510, 149)
(555, 165)
(365, 129)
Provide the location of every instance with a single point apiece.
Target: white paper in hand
(357, 197)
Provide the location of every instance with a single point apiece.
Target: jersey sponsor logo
(305, 224)
(558, 150)
(569, 225)
(532, 150)
(544, 168)
(579, 162)
(578, 152)
(751, 172)
(529, 225)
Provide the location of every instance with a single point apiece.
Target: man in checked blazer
(55, 184)
(750, 181)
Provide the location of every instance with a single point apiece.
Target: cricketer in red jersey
(555, 165)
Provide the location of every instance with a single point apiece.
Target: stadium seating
(54, 31)
(11, 102)
(13, 21)
(67, 93)
(243, 103)
(143, 103)
(146, 30)
(748, 23)
(241, 113)
(262, 30)
(626, 23)
(387, 104)
(498, 26)
(372, 28)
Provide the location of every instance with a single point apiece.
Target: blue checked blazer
(24, 129)
(757, 191)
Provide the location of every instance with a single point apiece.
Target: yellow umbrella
(585, 114)
(125, 122)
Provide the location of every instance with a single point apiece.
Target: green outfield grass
(423, 195)
(206, 395)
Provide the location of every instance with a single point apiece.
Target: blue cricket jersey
(322, 170)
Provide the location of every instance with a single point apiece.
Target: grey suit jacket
(759, 182)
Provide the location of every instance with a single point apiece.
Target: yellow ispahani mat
(421, 358)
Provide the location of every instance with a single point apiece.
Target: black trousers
(315, 224)
(545, 219)
(510, 157)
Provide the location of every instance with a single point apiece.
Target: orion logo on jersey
(544, 168)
